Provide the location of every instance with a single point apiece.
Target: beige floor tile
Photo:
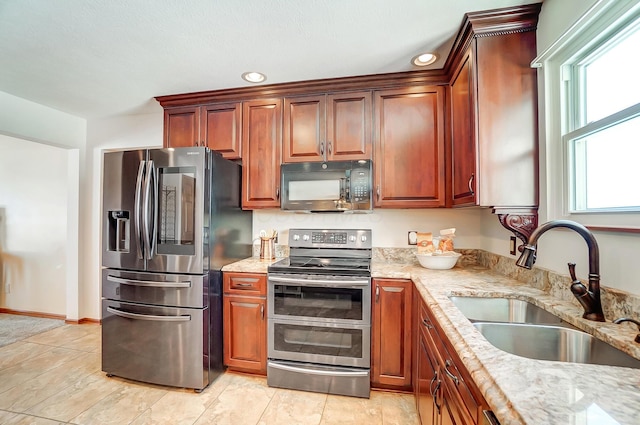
(9, 418)
(90, 342)
(29, 369)
(343, 410)
(397, 409)
(64, 334)
(20, 351)
(31, 392)
(121, 406)
(289, 407)
(242, 402)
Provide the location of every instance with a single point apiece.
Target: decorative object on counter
(425, 243)
(625, 319)
(589, 298)
(268, 244)
(446, 239)
(443, 261)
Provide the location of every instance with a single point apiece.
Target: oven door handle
(318, 282)
(136, 316)
(318, 372)
(154, 283)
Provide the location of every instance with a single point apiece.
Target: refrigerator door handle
(146, 283)
(137, 219)
(149, 211)
(136, 316)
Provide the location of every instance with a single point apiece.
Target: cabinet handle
(471, 179)
(277, 193)
(262, 311)
(426, 323)
(322, 149)
(330, 149)
(435, 396)
(378, 192)
(377, 293)
(244, 285)
(453, 377)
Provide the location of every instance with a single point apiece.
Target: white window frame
(597, 24)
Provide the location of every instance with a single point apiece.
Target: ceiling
(94, 58)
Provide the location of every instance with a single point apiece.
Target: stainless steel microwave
(338, 186)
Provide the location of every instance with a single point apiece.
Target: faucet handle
(626, 319)
(572, 272)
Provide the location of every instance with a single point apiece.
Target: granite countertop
(520, 390)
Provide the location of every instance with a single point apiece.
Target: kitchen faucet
(589, 298)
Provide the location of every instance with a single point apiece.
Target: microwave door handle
(137, 209)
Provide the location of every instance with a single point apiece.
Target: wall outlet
(7, 287)
(412, 237)
(512, 245)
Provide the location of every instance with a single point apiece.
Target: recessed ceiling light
(424, 59)
(254, 77)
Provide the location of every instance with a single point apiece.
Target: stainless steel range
(319, 313)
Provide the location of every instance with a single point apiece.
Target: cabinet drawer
(245, 284)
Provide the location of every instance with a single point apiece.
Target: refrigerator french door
(153, 202)
(168, 218)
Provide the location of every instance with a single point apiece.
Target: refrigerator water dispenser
(119, 231)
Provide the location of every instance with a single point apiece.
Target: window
(601, 125)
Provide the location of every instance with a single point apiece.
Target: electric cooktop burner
(338, 252)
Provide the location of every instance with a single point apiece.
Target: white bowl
(443, 261)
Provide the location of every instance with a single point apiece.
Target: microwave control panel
(360, 184)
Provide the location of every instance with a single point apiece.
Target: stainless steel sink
(506, 310)
(544, 342)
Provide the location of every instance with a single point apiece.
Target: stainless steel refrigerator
(171, 219)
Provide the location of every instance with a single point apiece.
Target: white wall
(33, 195)
(389, 227)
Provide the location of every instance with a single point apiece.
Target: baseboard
(50, 316)
(32, 314)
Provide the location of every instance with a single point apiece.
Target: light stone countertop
(520, 390)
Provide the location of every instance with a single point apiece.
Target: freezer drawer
(156, 288)
(155, 344)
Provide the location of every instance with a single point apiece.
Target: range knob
(352, 238)
(305, 237)
(296, 237)
(363, 238)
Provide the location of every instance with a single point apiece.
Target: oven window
(318, 340)
(318, 302)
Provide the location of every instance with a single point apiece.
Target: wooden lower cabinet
(245, 322)
(391, 353)
(445, 393)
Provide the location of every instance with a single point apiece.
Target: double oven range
(319, 313)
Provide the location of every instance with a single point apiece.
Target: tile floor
(55, 378)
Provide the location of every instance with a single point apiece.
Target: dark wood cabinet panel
(262, 140)
(245, 322)
(391, 334)
(349, 126)
(182, 127)
(409, 144)
(463, 140)
(304, 129)
(327, 127)
(221, 128)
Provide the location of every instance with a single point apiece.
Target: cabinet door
(427, 382)
(391, 333)
(182, 127)
(262, 138)
(304, 129)
(409, 146)
(463, 139)
(222, 128)
(245, 345)
(349, 126)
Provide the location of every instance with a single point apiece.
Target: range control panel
(334, 238)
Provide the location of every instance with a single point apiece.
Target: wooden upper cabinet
(410, 147)
(262, 139)
(494, 124)
(182, 127)
(330, 127)
(217, 126)
(463, 141)
(221, 128)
